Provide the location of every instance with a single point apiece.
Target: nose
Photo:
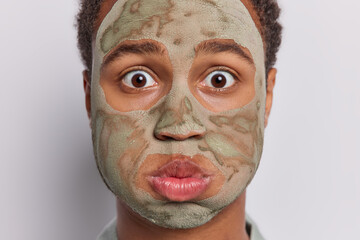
(179, 124)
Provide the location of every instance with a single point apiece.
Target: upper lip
(181, 167)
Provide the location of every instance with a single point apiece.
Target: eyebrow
(135, 48)
(213, 47)
(207, 47)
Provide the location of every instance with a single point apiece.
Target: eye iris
(138, 80)
(218, 80)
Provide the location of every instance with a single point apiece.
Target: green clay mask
(179, 114)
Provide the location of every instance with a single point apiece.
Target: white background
(308, 183)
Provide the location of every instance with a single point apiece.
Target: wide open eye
(219, 79)
(138, 79)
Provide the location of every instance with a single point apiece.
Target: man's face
(178, 100)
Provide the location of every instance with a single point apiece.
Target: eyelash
(131, 69)
(225, 69)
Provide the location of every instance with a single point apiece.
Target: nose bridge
(178, 122)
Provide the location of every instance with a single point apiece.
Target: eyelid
(128, 89)
(209, 71)
(217, 91)
(122, 74)
(229, 70)
(220, 68)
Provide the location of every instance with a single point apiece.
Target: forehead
(106, 6)
(174, 22)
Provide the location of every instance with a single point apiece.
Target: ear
(271, 77)
(87, 90)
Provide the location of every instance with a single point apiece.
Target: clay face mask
(178, 92)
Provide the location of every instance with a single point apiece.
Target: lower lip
(179, 189)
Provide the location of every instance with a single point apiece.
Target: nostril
(166, 136)
(163, 137)
(198, 136)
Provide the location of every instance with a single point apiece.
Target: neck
(228, 224)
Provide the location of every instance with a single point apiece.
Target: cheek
(235, 142)
(239, 134)
(121, 144)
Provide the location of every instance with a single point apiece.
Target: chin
(175, 215)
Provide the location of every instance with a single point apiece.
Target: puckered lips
(180, 179)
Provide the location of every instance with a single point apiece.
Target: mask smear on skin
(233, 139)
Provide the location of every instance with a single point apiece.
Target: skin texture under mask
(124, 140)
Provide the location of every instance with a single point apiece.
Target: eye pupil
(138, 80)
(218, 80)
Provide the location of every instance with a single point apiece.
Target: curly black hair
(268, 12)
